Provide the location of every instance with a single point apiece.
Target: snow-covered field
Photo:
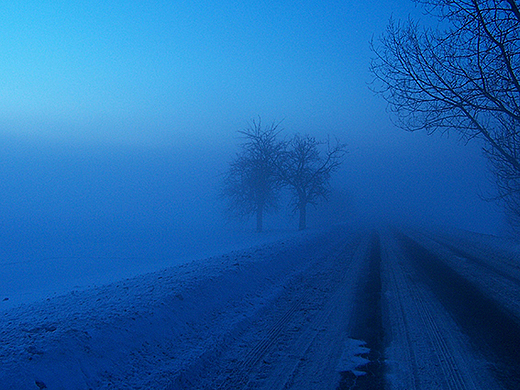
(141, 332)
(35, 276)
(407, 309)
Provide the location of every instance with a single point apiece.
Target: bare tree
(307, 172)
(251, 183)
(507, 177)
(463, 75)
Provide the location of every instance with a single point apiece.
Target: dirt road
(460, 305)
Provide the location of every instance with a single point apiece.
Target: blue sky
(165, 71)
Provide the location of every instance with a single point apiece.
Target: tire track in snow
(495, 273)
(261, 368)
(493, 330)
(427, 350)
(502, 264)
(451, 374)
(319, 347)
(241, 375)
(269, 348)
(368, 326)
(397, 323)
(484, 264)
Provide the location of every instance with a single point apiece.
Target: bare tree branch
(251, 183)
(306, 171)
(463, 77)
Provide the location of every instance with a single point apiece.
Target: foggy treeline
(265, 165)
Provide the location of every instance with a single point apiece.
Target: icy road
(343, 309)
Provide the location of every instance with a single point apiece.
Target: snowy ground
(452, 311)
(32, 275)
(141, 332)
(345, 308)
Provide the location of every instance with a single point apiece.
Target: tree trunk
(259, 219)
(303, 217)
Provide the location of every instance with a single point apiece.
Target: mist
(60, 199)
(115, 138)
(436, 180)
(124, 130)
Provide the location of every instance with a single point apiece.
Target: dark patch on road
(368, 326)
(494, 331)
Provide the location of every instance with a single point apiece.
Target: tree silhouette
(307, 171)
(462, 76)
(251, 183)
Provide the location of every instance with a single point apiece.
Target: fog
(88, 201)
(65, 200)
(118, 120)
(121, 265)
(435, 180)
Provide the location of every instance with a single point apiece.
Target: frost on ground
(290, 314)
(36, 275)
(141, 332)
